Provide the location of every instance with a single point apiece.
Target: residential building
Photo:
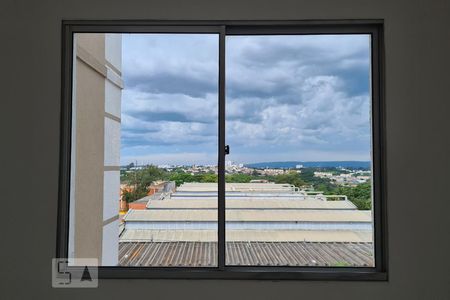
(95, 165)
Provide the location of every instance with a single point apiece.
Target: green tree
(140, 181)
(208, 178)
(133, 195)
(239, 178)
(292, 177)
(360, 195)
(181, 178)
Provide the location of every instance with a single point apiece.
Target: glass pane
(144, 130)
(298, 122)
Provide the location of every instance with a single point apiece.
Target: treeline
(291, 178)
(360, 195)
(141, 180)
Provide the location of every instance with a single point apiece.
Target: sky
(288, 98)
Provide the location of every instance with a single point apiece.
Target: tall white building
(95, 160)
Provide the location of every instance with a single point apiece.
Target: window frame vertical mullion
(221, 160)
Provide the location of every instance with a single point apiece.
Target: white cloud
(288, 98)
(180, 158)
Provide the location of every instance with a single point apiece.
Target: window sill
(251, 273)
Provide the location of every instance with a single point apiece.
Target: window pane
(144, 128)
(298, 115)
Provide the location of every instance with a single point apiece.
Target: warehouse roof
(210, 215)
(249, 203)
(204, 254)
(140, 235)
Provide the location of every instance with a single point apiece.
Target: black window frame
(223, 28)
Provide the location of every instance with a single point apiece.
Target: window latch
(227, 149)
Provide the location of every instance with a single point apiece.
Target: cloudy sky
(304, 98)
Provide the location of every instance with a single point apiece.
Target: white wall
(111, 188)
(110, 244)
(111, 194)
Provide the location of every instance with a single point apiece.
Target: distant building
(323, 174)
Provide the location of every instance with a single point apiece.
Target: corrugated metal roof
(248, 203)
(146, 235)
(204, 254)
(192, 215)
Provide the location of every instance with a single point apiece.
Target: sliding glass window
(216, 150)
(299, 188)
(144, 125)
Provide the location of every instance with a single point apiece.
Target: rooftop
(204, 254)
(248, 215)
(190, 215)
(142, 235)
(251, 203)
